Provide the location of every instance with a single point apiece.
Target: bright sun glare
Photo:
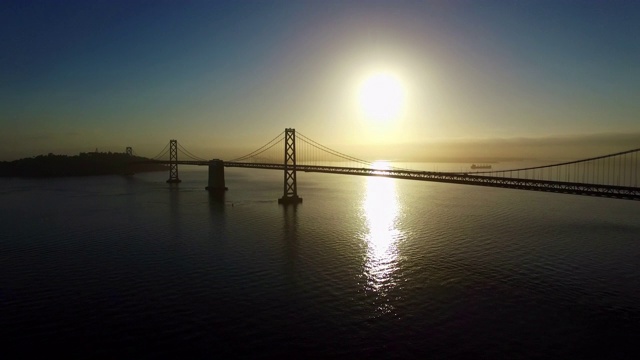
(381, 96)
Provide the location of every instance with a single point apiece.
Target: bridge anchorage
(216, 177)
(173, 163)
(290, 194)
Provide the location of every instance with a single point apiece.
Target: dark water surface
(365, 267)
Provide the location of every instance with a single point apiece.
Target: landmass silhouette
(83, 164)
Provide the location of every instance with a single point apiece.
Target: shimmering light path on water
(127, 267)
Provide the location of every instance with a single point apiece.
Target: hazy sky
(76, 75)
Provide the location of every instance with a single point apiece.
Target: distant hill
(84, 164)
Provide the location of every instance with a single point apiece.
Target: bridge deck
(608, 191)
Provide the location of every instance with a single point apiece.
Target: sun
(381, 97)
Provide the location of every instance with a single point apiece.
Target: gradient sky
(225, 76)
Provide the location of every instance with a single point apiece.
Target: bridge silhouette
(610, 176)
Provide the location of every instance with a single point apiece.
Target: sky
(502, 77)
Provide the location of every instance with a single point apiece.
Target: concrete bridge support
(216, 177)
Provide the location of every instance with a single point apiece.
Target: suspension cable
(561, 164)
(260, 149)
(336, 153)
(333, 152)
(189, 154)
(161, 153)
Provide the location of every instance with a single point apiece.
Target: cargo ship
(481, 166)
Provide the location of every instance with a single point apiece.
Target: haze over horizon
(495, 79)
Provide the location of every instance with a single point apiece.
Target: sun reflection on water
(381, 209)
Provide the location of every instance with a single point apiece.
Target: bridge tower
(173, 162)
(129, 151)
(290, 195)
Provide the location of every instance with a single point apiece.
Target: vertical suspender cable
(636, 169)
(609, 171)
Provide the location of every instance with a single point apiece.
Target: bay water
(131, 267)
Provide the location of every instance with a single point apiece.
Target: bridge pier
(216, 177)
(285, 200)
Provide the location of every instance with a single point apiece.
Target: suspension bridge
(611, 176)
